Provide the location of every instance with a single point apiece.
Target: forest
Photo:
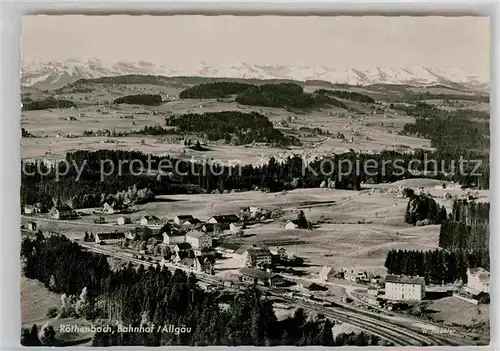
(47, 103)
(146, 296)
(214, 90)
(39, 182)
(467, 230)
(423, 210)
(446, 129)
(234, 127)
(435, 266)
(140, 99)
(347, 95)
(464, 243)
(286, 95)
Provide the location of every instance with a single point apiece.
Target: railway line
(399, 335)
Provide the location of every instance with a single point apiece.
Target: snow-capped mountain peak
(55, 74)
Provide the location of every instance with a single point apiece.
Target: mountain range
(55, 74)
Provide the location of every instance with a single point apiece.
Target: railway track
(397, 334)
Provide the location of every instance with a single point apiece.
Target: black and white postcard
(255, 180)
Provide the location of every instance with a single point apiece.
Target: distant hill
(56, 74)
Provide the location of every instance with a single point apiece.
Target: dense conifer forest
(285, 95)
(48, 103)
(446, 129)
(464, 243)
(214, 90)
(140, 99)
(347, 95)
(39, 182)
(234, 127)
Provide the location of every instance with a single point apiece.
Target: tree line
(47, 103)
(39, 182)
(140, 99)
(446, 129)
(467, 230)
(286, 95)
(232, 126)
(423, 209)
(436, 266)
(214, 90)
(463, 242)
(142, 297)
(347, 95)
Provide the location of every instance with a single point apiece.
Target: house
(293, 224)
(282, 254)
(186, 262)
(204, 264)
(205, 252)
(182, 247)
(198, 239)
(123, 220)
(99, 220)
(279, 253)
(31, 226)
(107, 208)
(62, 212)
(478, 279)
(353, 276)
(224, 219)
(149, 220)
(227, 248)
(400, 287)
(326, 273)
(255, 210)
(32, 209)
(109, 238)
(210, 228)
(191, 222)
(29, 209)
(179, 220)
(311, 286)
(155, 229)
(257, 276)
(174, 238)
(257, 256)
(235, 227)
(132, 234)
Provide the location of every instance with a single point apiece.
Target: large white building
(400, 287)
(256, 256)
(174, 238)
(478, 279)
(198, 239)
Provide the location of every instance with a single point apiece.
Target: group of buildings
(405, 288)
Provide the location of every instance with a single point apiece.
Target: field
(36, 300)
(351, 228)
(58, 131)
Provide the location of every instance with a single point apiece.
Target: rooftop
(402, 279)
(183, 246)
(110, 236)
(257, 273)
(184, 217)
(230, 246)
(195, 234)
(226, 218)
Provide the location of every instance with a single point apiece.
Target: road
(397, 334)
(397, 331)
(408, 323)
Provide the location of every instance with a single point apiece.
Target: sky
(335, 42)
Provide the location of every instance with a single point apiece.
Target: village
(213, 249)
